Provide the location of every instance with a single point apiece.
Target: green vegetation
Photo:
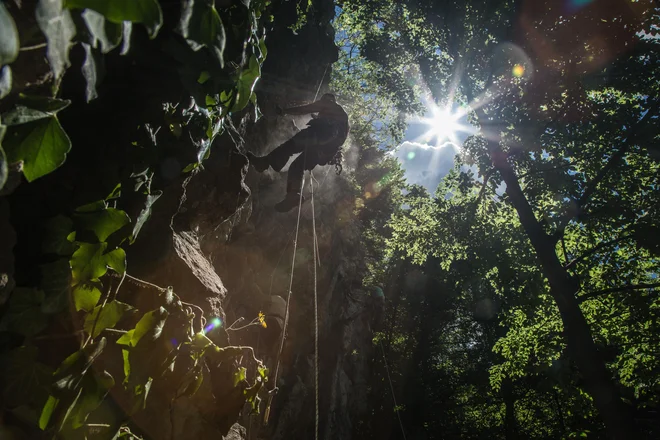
(528, 311)
(215, 55)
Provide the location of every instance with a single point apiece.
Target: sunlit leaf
(145, 213)
(245, 84)
(8, 37)
(5, 81)
(58, 27)
(42, 146)
(147, 12)
(101, 220)
(88, 262)
(85, 296)
(108, 317)
(149, 326)
(106, 35)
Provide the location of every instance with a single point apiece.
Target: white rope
(288, 301)
(316, 313)
(396, 409)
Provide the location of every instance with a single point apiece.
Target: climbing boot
(259, 163)
(290, 201)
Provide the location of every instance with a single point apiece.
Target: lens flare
(215, 323)
(518, 70)
(411, 155)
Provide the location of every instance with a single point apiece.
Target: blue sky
(424, 164)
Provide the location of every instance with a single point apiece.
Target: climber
(320, 144)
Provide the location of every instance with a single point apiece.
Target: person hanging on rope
(319, 144)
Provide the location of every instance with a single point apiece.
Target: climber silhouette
(320, 144)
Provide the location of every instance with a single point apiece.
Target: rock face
(216, 239)
(254, 257)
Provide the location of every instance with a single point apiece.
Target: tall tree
(565, 98)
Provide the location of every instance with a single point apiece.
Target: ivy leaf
(86, 296)
(92, 70)
(41, 145)
(55, 282)
(25, 381)
(201, 23)
(47, 411)
(5, 81)
(55, 241)
(150, 325)
(88, 263)
(245, 84)
(105, 34)
(108, 318)
(4, 170)
(240, 375)
(34, 108)
(126, 338)
(144, 214)
(24, 314)
(58, 27)
(147, 12)
(94, 390)
(116, 260)
(103, 221)
(9, 43)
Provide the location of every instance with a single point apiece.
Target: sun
(443, 126)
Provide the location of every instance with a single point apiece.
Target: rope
(387, 370)
(288, 301)
(316, 313)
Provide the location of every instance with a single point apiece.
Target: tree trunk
(598, 383)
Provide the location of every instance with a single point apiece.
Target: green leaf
(4, 170)
(94, 391)
(5, 81)
(240, 375)
(116, 260)
(147, 12)
(25, 381)
(201, 23)
(109, 317)
(150, 325)
(144, 214)
(88, 262)
(245, 84)
(34, 108)
(68, 376)
(56, 284)
(9, 43)
(58, 27)
(85, 297)
(47, 411)
(102, 221)
(55, 239)
(41, 145)
(24, 314)
(92, 70)
(105, 34)
(126, 338)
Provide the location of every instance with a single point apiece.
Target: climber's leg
(293, 185)
(280, 155)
